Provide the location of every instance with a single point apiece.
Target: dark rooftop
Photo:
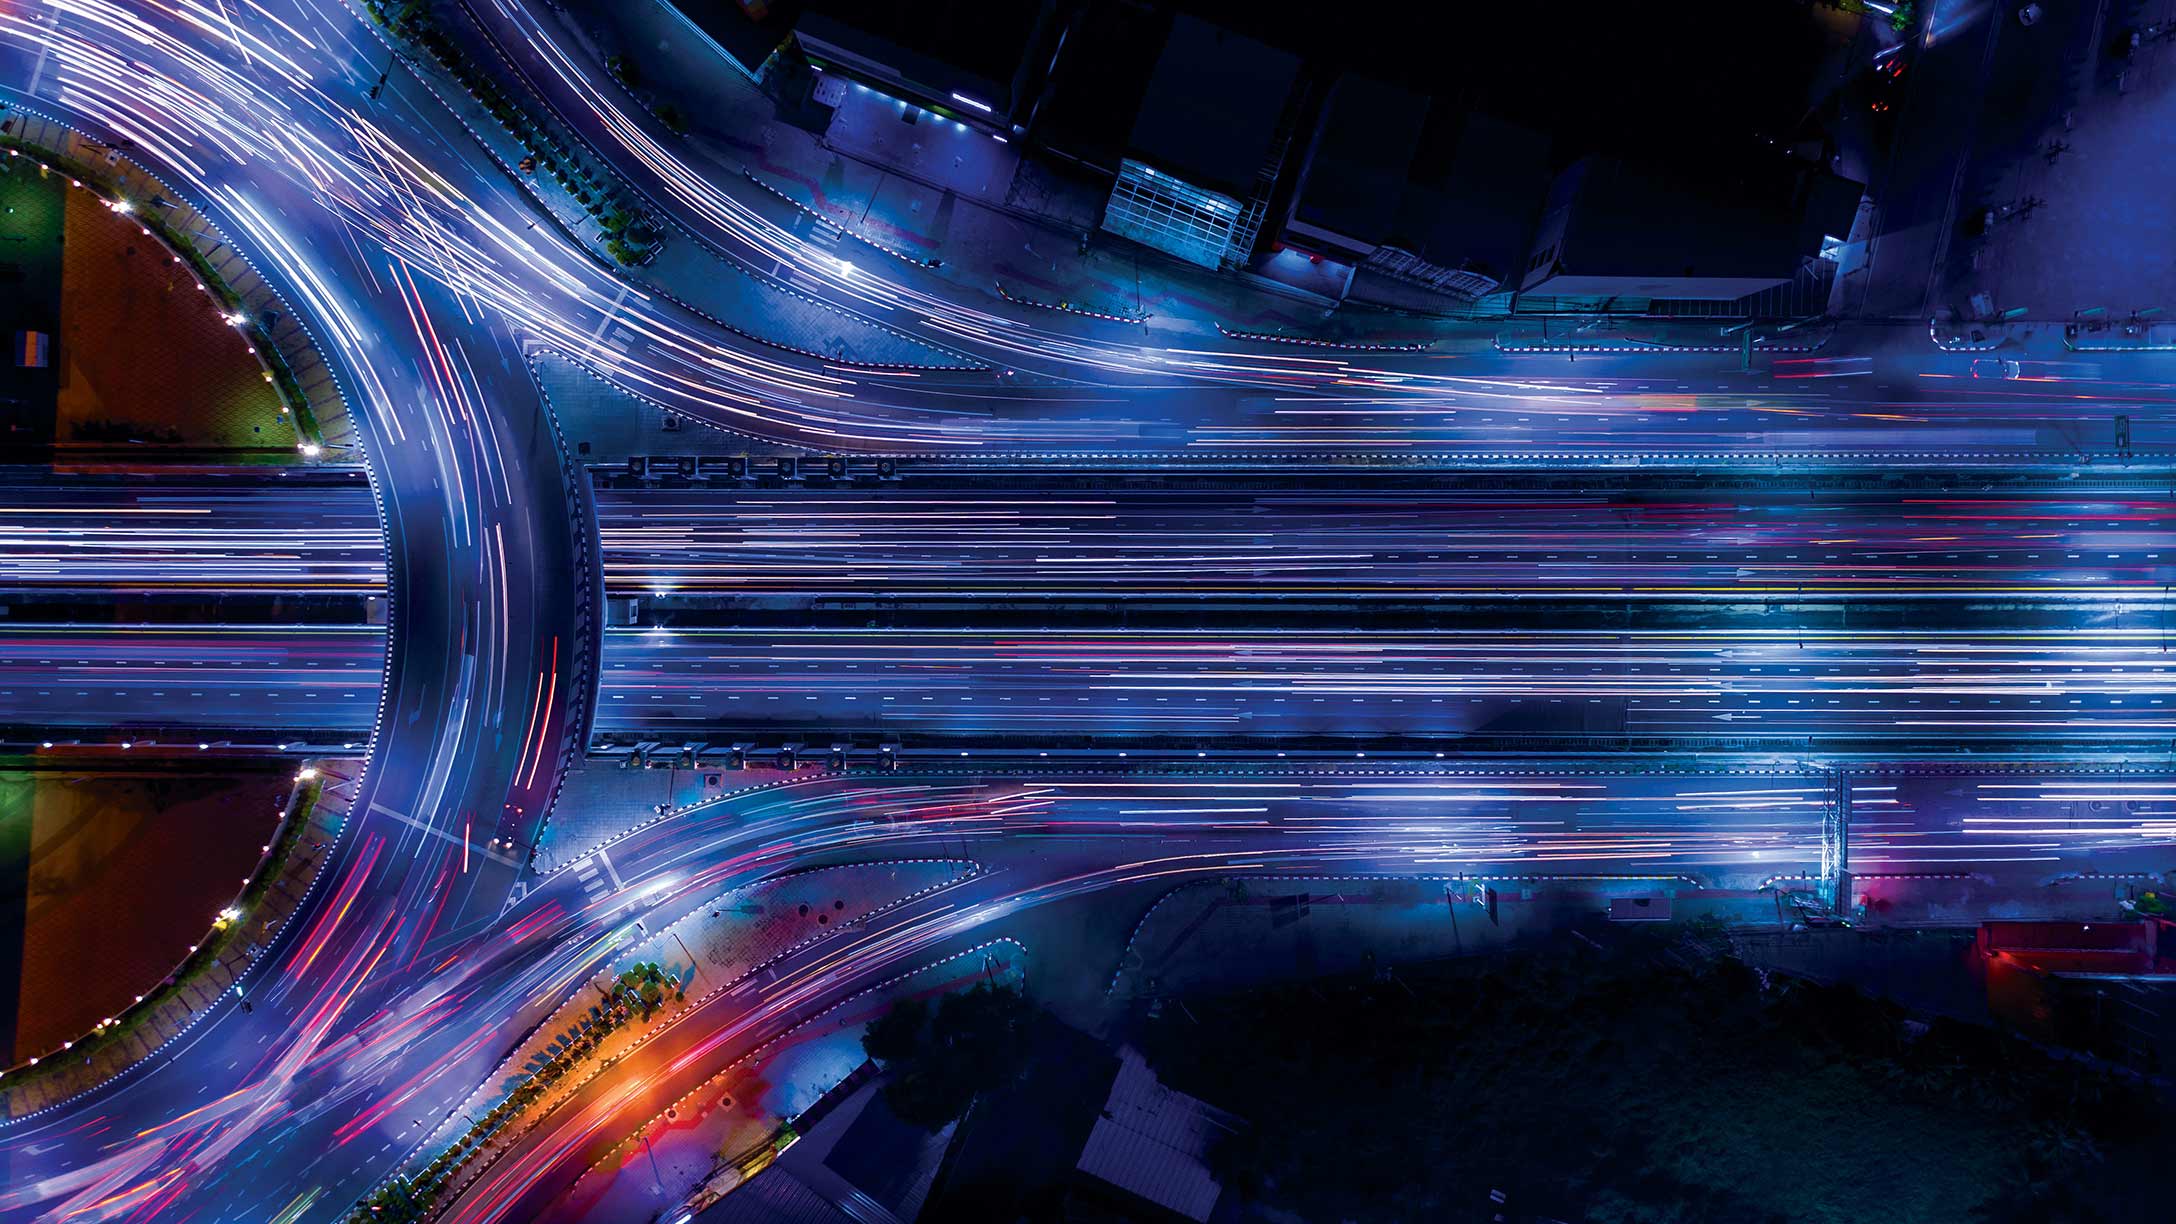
(1478, 183)
(886, 1159)
(1014, 1154)
(1102, 73)
(986, 40)
(1369, 133)
(1635, 219)
(774, 1196)
(749, 40)
(1713, 71)
(1631, 218)
(1213, 106)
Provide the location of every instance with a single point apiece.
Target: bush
(939, 1061)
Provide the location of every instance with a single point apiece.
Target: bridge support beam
(1836, 844)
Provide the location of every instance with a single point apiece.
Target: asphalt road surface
(416, 961)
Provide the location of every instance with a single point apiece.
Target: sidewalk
(1613, 337)
(606, 424)
(2081, 217)
(1936, 899)
(1230, 934)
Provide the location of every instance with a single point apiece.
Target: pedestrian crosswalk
(825, 236)
(599, 879)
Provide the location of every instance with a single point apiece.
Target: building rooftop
(974, 47)
(1632, 218)
(747, 39)
(774, 1196)
(1101, 75)
(1664, 231)
(1153, 1143)
(1213, 105)
(1369, 133)
(1477, 187)
(1019, 1144)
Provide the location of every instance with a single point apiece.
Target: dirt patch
(146, 354)
(124, 873)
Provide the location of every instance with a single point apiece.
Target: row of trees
(635, 996)
(629, 237)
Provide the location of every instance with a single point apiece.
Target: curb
(1347, 346)
(1069, 308)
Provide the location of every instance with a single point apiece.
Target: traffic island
(734, 941)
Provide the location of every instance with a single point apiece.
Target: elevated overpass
(1163, 610)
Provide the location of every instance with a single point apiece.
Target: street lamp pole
(380, 86)
(654, 1174)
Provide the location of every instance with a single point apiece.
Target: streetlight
(654, 1174)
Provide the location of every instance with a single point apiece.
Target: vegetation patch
(1649, 1078)
(940, 1058)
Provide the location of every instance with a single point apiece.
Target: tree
(975, 1042)
(897, 1034)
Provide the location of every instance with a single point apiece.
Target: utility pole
(690, 955)
(1745, 342)
(654, 1174)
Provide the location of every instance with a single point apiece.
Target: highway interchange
(1405, 570)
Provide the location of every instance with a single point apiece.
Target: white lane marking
(413, 823)
(611, 314)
